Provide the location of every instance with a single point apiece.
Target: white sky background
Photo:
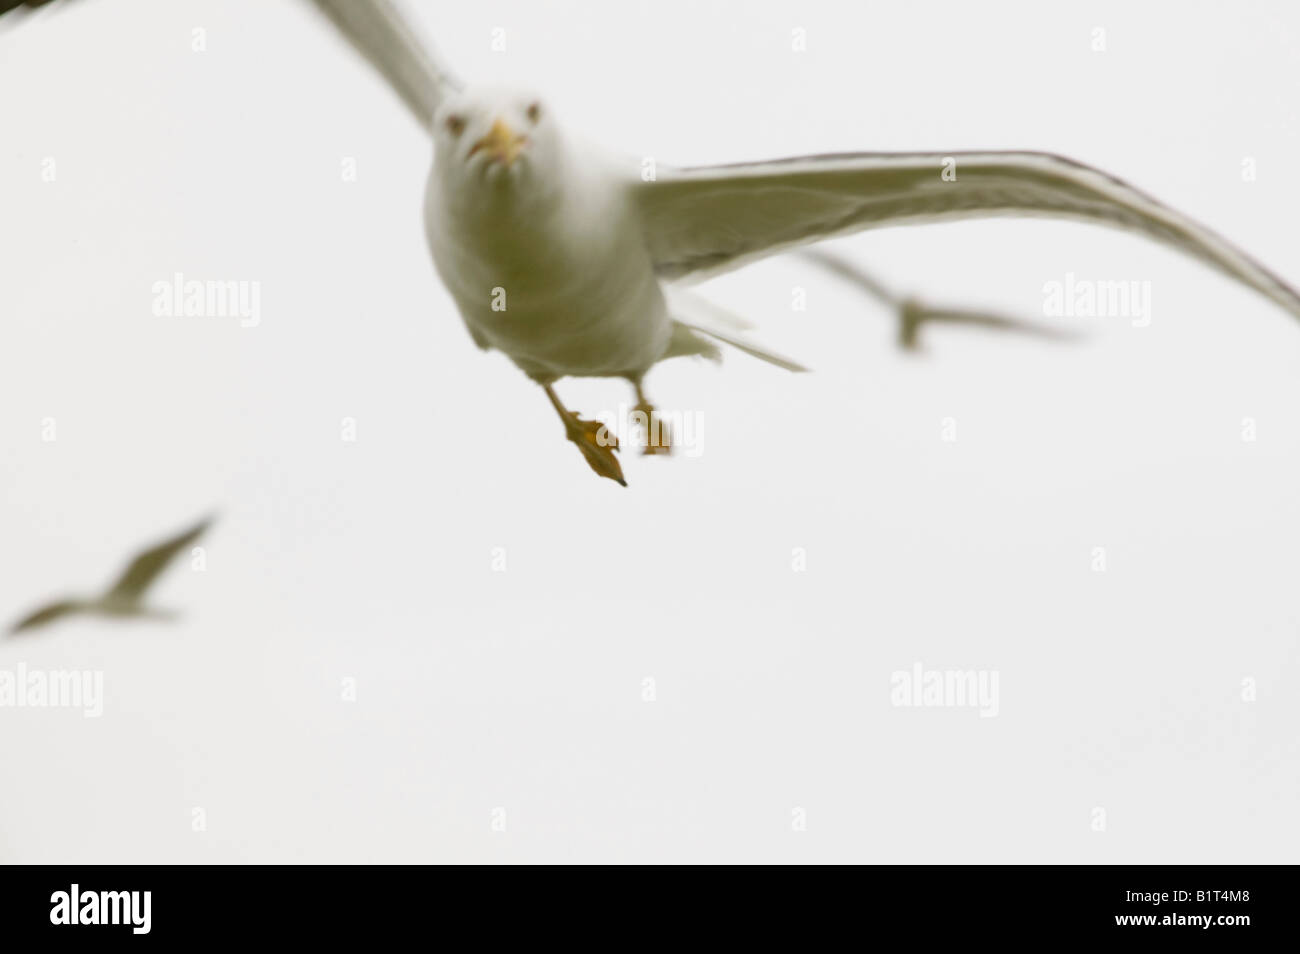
(522, 690)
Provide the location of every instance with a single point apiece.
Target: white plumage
(557, 252)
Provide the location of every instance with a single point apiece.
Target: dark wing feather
(7, 5)
(46, 614)
(144, 568)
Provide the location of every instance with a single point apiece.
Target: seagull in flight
(566, 257)
(123, 598)
(571, 260)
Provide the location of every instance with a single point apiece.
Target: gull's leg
(592, 437)
(657, 437)
(913, 313)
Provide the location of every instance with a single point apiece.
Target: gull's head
(494, 139)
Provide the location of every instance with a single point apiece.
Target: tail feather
(686, 342)
(694, 316)
(750, 348)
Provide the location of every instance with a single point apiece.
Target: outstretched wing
(379, 32)
(7, 5)
(46, 614)
(145, 568)
(704, 220)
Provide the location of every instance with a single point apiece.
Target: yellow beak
(501, 142)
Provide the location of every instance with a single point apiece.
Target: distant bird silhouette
(123, 598)
(912, 313)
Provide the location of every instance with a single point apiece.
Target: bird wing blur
(7, 5)
(382, 35)
(702, 221)
(913, 314)
(146, 567)
(45, 615)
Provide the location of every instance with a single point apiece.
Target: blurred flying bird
(913, 313)
(123, 598)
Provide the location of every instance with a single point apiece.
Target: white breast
(570, 292)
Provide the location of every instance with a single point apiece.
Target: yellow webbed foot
(597, 444)
(658, 438)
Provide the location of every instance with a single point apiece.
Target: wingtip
(206, 521)
(25, 625)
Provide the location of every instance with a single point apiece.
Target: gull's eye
(455, 124)
(533, 112)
